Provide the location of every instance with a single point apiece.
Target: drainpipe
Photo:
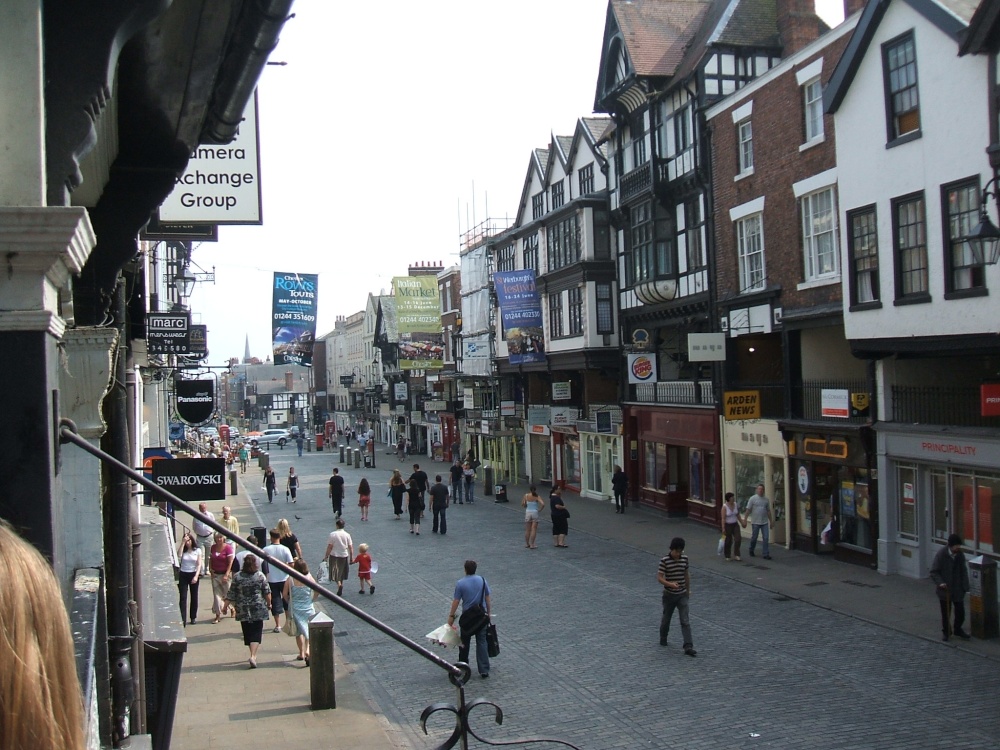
(138, 662)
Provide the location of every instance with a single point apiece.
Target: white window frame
(811, 239)
(744, 137)
(750, 252)
(813, 111)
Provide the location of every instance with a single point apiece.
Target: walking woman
(191, 564)
(292, 486)
(532, 505)
(220, 564)
(364, 498)
(270, 483)
(251, 596)
(470, 481)
(302, 610)
(288, 539)
(397, 488)
(619, 483)
(731, 522)
(560, 517)
(414, 505)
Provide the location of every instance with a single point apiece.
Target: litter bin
(343, 449)
(369, 460)
(261, 533)
(501, 492)
(232, 480)
(488, 480)
(264, 460)
(984, 621)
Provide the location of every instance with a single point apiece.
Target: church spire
(246, 354)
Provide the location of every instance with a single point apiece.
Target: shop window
(657, 474)
(906, 494)
(855, 510)
(571, 461)
(593, 461)
(967, 504)
(749, 472)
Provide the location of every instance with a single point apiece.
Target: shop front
(676, 466)
(937, 483)
(831, 475)
(539, 439)
(755, 454)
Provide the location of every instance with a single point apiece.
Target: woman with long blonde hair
(40, 701)
(289, 539)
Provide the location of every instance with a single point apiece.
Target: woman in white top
(532, 505)
(191, 563)
(731, 522)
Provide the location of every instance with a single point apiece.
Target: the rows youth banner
(293, 316)
(418, 318)
(521, 314)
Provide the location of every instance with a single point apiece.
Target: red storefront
(673, 459)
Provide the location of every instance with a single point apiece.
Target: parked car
(273, 435)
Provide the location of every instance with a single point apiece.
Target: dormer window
(902, 98)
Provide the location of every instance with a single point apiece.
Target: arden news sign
(195, 400)
(192, 479)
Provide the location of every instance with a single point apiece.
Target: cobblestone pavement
(580, 659)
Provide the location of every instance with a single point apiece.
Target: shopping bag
(444, 636)
(722, 545)
(492, 641)
(322, 572)
(290, 627)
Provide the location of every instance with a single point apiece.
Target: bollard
(343, 448)
(357, 458)
(232, 481)
(309, 445)
(322, 687)
(488, 480)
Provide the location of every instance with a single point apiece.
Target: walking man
(951, 575)
(337, 492)
(439, 504)
(204, 533)
(339, 553)
(456, 480)
(420, 476)
(675, 577)
(276, 578)
(473, 593)
(300, 441)
(759, 512)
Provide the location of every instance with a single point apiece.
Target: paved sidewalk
(223, 704)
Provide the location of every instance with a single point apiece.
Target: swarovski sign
(192, 479)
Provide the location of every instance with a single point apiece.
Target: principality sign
(989, 394)
(739, 405)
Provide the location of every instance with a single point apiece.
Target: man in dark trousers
(337, 492)
(456, 480)
(951, 575)
(439, 504)
(675, 577)
(421, 478)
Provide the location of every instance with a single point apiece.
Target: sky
(393, 128)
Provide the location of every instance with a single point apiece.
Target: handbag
(290, 627)
(492, 641)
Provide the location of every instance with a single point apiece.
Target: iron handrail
(458, 674)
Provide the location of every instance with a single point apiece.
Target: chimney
(798, 24)
(853, 6)
(289, 381)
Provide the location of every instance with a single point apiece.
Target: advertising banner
(641, 368)
(195, 400)
(221, 184)
(521, 314)
(418, 318)
(293, 316)
(192, 479)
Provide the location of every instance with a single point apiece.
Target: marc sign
(192, 479)
(168, 333)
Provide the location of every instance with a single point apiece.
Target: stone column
(40, 249)
(83, 382)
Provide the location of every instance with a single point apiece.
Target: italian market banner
(521, 314)
(294, 318)
(418, 318)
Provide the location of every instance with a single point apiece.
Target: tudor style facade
(662, 64)
(778, 284)
(919, 304)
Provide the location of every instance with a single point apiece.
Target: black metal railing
(945, 405)
(807, 400)
(458, 674)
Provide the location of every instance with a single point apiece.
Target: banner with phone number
(293, 317)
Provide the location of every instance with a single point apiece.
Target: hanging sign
(521, 314)
(168, 333)
(192, 479)
(293, 317)
(195, 400)
(641, 368)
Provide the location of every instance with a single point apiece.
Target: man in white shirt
(276, 578)
(204, 534)
(340, 554)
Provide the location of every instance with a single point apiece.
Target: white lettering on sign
(189, 480)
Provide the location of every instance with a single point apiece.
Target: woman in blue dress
(302, 609)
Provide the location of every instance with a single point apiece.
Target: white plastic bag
(444, 636)
(722, 545)
(322, 572)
